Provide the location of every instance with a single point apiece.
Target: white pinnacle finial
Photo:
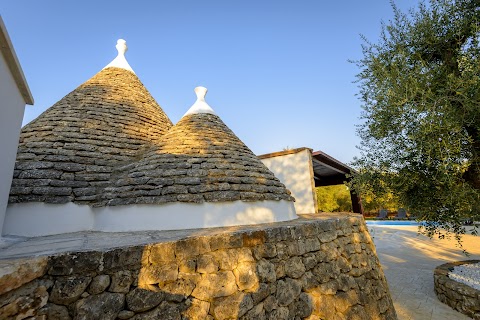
(200, 106)
(120, 61)
(121, 46)
(201, 92)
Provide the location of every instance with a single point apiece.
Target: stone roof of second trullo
(199, 159)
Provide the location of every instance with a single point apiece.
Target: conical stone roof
(68, 153)
(198, 160)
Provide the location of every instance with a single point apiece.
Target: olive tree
(420, 132)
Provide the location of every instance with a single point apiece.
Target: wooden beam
(357, 206)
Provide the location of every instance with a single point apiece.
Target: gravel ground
(468, 274)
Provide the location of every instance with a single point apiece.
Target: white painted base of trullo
(41, 219)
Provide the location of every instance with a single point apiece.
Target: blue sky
(277, 71)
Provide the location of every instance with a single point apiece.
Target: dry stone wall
(459, 296)
(305, 269)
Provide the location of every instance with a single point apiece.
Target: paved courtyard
(408, 261)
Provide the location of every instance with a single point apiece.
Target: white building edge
(14, 95)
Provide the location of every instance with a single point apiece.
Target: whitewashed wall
(295, 171)
(12, 107)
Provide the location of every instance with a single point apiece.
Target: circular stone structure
(457, 295)
(107, 158)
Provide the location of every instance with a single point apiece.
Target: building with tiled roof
(106, 157)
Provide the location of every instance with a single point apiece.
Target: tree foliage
(420, 87)
(334, 198)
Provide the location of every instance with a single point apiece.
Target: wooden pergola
(329, 171)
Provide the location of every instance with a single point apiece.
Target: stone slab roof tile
(77, 142)
(199, 159)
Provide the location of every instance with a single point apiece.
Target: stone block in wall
(80, 262)
(232, 307)
(206, 263)
(140, 300)
(166, 310)
(121, 281)
(183, 286)
(287, 291)
(246, 277)
(124, 258)
(68, 289)
(158, 274)
(197, 309)
(19, 272)
(105, 306)
(54, 312)
(24, 306)
(216, 285)
(99, 284)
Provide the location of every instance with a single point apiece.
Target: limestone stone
(121, 281)
(325, 271)
(280, 313)
(121, 259)
(303, 306)
(324, 306)
(68, 290)
(331, 251)
(287, 291)
(20, 272)
(309, 261)
(266, 250)
(105, 306)
(312, 244)
(261, 293)
(266, 271)
(226, 258)
(294, 267)
(125, 314)
(232, 307)
(226, 241)
(216, 285)
(270, 303)
(187, 266)
(189, 248)
(25, 306)
(206, 264)
(183, 286)
(328, 288)
(99, 284)
(256, 313)
(245, 276)
(78, 263)
(279, 268)
(165, 311)
(54, 312)
(309, 281)
(345, 300)
(197, 310)
(357, 313)
(163, 273)
(140, 300)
